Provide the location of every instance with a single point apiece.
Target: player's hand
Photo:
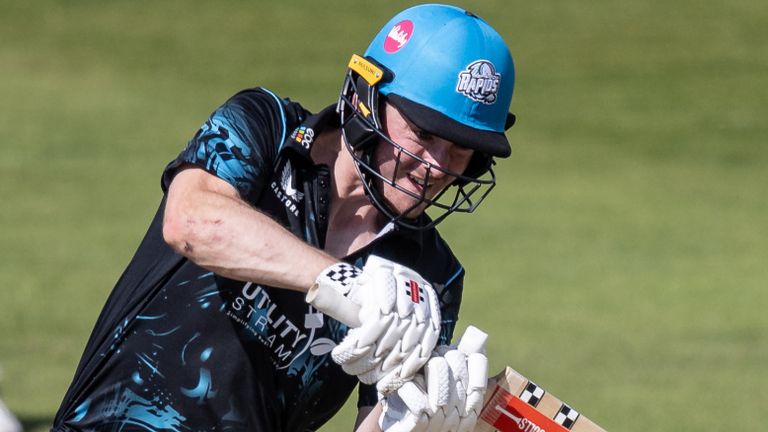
(399, 319)
(447, 396)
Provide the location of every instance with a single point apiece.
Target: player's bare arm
(206, 221)
(368, 419)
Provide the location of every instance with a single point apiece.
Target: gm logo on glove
(413, 289)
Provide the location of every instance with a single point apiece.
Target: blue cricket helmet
(451, 74)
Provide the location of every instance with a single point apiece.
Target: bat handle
(334, 304)
(473, 340)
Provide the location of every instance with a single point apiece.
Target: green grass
(621, 261)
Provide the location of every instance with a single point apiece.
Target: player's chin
(410, 206)
(409, 199)
(416, 212)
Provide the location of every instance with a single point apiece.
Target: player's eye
(460, 149)
(422, 135)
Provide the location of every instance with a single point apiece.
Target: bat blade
(516, 404)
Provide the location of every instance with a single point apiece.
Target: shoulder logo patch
(286, 181)
(304, 136)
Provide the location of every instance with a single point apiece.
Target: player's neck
(353, 220)
(329, 149)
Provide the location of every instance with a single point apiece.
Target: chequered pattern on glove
(399, 319)
(342, 273)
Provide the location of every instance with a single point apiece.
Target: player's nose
(438, 153)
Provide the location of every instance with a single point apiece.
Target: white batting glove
(447, 396)
(399, 321)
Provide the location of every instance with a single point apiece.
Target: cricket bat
(513, 403)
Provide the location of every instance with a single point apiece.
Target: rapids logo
(479, 82)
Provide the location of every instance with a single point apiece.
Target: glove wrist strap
(329, 292)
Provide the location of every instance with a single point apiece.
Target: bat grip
(334, 304)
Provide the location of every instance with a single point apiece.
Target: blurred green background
(621, 262)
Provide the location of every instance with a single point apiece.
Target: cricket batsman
(209, 327)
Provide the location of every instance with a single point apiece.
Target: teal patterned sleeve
(238, 142)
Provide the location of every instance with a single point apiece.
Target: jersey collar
(301, 139)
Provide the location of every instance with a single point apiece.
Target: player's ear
(479, 164)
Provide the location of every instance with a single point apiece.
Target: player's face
(422, 174)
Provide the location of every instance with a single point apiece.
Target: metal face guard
(358, 107)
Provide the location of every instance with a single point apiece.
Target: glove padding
(447, 396)
(400, 322)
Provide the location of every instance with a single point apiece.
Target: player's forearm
(206, 222)
(368, 419)
(248, 245)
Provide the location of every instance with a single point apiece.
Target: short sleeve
(238, 142)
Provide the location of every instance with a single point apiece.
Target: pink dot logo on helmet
(399, 36)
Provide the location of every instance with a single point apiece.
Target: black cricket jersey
(179, 348)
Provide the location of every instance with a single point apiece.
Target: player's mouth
(419, 184)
